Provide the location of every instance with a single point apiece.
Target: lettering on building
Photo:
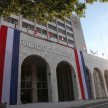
(44, 48)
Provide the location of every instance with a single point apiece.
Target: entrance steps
(97, 103)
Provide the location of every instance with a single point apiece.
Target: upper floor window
(11, 20)
(68, 22)
(54, 21)
(44, 25)
(61, 31)
(54, 35)
(51, 27)
(31, 27)
(70, 41)
(60, 24)
(69, 28)
(70, 35)
(44, 32)
(38, 30)
(26, 25)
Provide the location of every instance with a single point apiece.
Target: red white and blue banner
(9, 61)
(82, 75)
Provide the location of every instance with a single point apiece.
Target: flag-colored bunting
(91, 51)
(103, 54)
(96, 52)
(62, 38)
(84, 48)
(49, 35)
(82, 75)
(9, 60)
(35, 31)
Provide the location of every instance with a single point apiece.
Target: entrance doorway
(64, 81)
(34, 86)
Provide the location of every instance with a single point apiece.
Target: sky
(95, 28)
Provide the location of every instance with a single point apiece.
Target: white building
(47, 69)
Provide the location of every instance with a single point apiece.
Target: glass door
(26, 84)
(42, 89)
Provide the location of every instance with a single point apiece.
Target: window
(70, 41)
(11, 20)
(44, 25)
(60, 24)
(31, 27)
(68, 22)
(38, 30)
(61, 31)
(26, 25)
(52, 27)
(54, 35)
(44, 32)
(69, 28)
(25, 78)
(70, 35)
(60, 38)
(54, 21)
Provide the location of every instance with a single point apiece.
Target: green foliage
(44, 10)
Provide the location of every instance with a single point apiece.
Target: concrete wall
(49, 52)
(78, 33)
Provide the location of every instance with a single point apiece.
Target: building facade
(47, 68)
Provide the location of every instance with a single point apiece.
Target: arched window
(99, 84)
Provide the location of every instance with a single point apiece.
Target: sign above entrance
(44, 48)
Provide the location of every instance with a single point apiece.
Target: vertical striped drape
(82, 75)
(9, 60)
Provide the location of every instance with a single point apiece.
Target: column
(34, 84)
(66, 34)
(93, 85)
(57, 31)
(105, 86)
(47, 31)
(20, 23)
(54, 82)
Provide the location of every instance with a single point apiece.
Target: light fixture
(27, 29)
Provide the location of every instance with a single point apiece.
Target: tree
(44, 10)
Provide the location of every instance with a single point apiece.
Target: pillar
(54, 82)
(34, 84)
(93, 85)
(20, 23)
(104, 82)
